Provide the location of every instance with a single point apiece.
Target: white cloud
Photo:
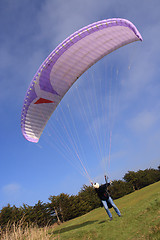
(143, 121)
(57, 20)
(11, 189)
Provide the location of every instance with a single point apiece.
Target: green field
(140, 219)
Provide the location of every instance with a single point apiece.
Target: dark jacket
(102, 191)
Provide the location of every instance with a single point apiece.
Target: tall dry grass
(21, 232)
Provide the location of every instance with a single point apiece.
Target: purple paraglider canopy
(66, 64)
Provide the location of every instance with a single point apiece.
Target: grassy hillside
(140, 219)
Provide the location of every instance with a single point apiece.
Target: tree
(54, 208)
(89, 196)
(142, 178)
(131, 177)
(41, 214)
(64, 205)
(10, 215)
(120, 188)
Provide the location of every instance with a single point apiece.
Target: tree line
(64, 207)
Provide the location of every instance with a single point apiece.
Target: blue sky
(30, 30)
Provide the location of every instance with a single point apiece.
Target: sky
(30, 30)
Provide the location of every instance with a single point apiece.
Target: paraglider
(68, 61)
(103, 194)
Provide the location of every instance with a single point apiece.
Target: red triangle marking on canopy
(43, 100)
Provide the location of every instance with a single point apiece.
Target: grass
(17, 232)
(140, 220)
